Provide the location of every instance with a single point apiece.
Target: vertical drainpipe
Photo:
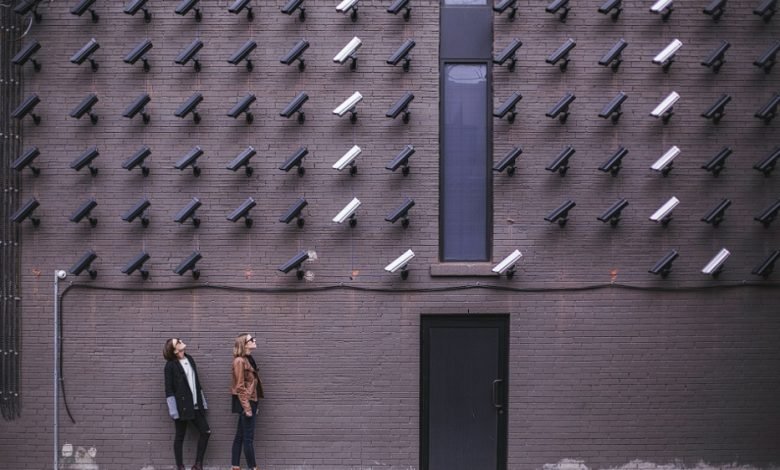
(58, 274)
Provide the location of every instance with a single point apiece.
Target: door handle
(496, 404)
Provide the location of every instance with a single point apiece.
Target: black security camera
(614, 163)
(139, 52)
(26, 211)
(85, 210)
(190, 106)
(26, 159)
(136, 211)
(82, 7)
(243, 107)
(239, 5)
(295, 106)
(401, 212)
(295, 160)
(185, 6)
(612, 215)
(188, 53)
(137, 159)
(402, 53)
(402, 160)
(85, 107)
(561, 163)
(190, 159)
(508, 161)
(26, 107)
(242, 159)
(401, 106)
(138, 106)
(26, 54)
(189, 265)
(292, 5)
(137, 264)
(86, 53)
(188, 212)
(295, 263)
(294, 212)
(135, 5)
(664, 265)
(295, 54)
(242, 211)
(243, 53)
(561, 213)
(85, 160)
(84, 263)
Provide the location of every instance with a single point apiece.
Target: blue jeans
(245, 437)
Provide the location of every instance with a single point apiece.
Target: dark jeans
(203, 437)
(245, 436)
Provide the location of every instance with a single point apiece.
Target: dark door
(464, 383)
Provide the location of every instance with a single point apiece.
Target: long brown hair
(239, 346)
(169, 350)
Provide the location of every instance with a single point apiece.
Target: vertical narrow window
(465, 217)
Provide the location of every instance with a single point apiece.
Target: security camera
(717, 163)
(562, 54)
(27, 6)
(348, 212)
(767, 60)
(665, 58)
(188, 212)
(717, 110)
(136, 211)
(766, 165)
(561, 109)
(26, 211)
(507, 265)
(292, 5)
(189, 53)
(82, 7)
(137, 263)
(716, 58)
(561, 213)
(348, 159)
(138, 106)
(614, 55)
(766, 9)
(26, 107)
(613, 109)
(61, 274)
(242, 53)
(715, 265)
(507, 108)
(85, 210)
(560, 8)
(190, 106)
(768, 265)
(295, 160)
(295, 54)
(189, 265)
(664, 163)
(26, 54)
(402, 262)
(561, 163)
(85, 107)
(243, 107)
(614, 6)
(769, 110)
(85, 53)
(505, 5)
(399, 5)
(85, 160)
(139, 52)
(242, 159)
(137, 159)
(294, 212)
(135, 5)
(769, 214)
(349, 52)
(84, 263)
(402, 53)
(665, 108)
(295, 263)
(239, 5)
(664, 265)
(613, 165)
(715, 9)
(346, 6)
(401, 160)
(663, 214)
(349, 106)
(715, 215)
(185, 6)
(190, 159)
(508, 161)
(295, 106)
(401, 212)
(663, 8)
(508, 53)
(242, 211)
(26, 159)
(401, 106)
(612, 215)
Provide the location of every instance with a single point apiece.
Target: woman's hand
(248, 414)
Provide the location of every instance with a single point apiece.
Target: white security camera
(664, 213)
(348, 106)
(348, 212)
(507, 265)
(666, 56)
(347, 5)
(715, 266)
(663, 8)
(664, 108)
(400, 263)
(348, 160)
(348, 50)
(664, 163)
(61, 274)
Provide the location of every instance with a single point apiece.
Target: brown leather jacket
(246, 383)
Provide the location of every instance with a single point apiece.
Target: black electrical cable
(299, 290)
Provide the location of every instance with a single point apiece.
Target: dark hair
(169, 351)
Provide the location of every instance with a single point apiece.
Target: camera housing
(239, 5)
(505, 5)
(766, 165)
(348, 6)
(665, 58)
(137, 159)
(614, 163)
(663, 214)
(401, 212)
(614, 6)
(766, 9)
(402, 263)
(402, 53)
(242, 211)
(665, 108)
(402, 160)
(715, 9)
(716, 58)
(138, 106)
(190, 159)
(769, 214)
(508, 161)
(26, 159)
(612, 215)
(559, 7)
(136, 211)
(188, 212)
(562, 54)
(185, 6)
(767, 266)
(614, 56)
(295, 106)
(137, 264)
(561, 109)
(292, 5)
(508, 53)
(26, 211)
(242, 106)
(26, 107)
(190, 106)
(188, 264)
(85, 107)
(767, 60)
(718, 109)
(401, 106)
(242, 159)
(135, 5)
(26, 54)
(348, 212)
(84, 263)
(295, 160)
(665, 161)
(715, 266)
(294, 212)
(189, 53)
(716, 164)
(348, 159)
(715, 215)
(664, 266)
(613, 109)
(507, 265)
(27, 6)
(561, 213)
(139, 52)
(85, 159)
(561, 163)
(295, 54)
(85, 53)
(349, 52)
(242, 54)
(85, 210)
(507, 108)
(399, 5)
(82, 7)
(349, 106)
(769, 110)
(295, 263)
(663, 8)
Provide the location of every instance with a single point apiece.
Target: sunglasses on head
(249, 340)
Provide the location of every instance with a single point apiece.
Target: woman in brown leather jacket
(247, 390)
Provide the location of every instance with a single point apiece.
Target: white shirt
(190, 373)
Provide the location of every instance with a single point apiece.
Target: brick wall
(676, 369)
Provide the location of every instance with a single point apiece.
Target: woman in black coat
(186, 401)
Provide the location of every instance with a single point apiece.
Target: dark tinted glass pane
(464, 168)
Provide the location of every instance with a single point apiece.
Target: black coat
(176, 386)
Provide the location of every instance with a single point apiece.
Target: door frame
(465, 321)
